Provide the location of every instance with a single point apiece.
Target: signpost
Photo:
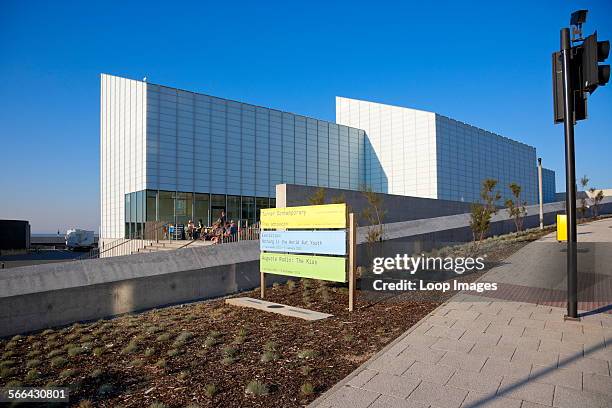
(313, 242)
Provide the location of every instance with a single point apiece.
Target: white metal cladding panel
(206, 144)
(122, 148)
(468, 155)
(399, 146)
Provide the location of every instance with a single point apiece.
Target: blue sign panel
(304, 242)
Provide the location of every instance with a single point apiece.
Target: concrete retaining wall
(41, 296)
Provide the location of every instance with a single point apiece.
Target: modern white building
(423, 154)
(170, 155)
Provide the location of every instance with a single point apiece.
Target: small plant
(307, 388)
(230, 351)
(138, 362)
(130, 348)
(85, 404)
(8, 354)
(173, 352)
(7, 363)
(515, 207)
(34, 353)
(149, 351)
(31, 375)
(96, 373)
(17, 337)
(98, 351)
(256, 388)
(268, 356)
(5, 372)
(67, 373)
(291, 284)
(58, 362)
(275, 285)
(76, 350)
(210, 390)
(596, 199)
(584, 181)
(161, 363)
(164, 337)
(182, 338)
(32, 363)
(306, 284)
(157, 405)
(227, 360)
(307, 354)
(318, 197)
(105, 389)
(306, 370)
(482, 212)
(55, 353)
(183, 375)
(47, 332)
(270, 346)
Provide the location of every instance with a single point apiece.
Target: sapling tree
(584, 182)
(515, 207)
(596, 198)
(483, 211)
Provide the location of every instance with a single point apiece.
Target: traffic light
(585, 75)
(593, 74)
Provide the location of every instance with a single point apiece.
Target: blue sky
(485, 63)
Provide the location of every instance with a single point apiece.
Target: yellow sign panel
(327, 268)
(307, 217)
(561, 227)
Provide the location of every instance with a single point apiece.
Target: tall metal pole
(570, 178)
(540, 190)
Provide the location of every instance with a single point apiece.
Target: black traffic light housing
(593, 52)
(585, 75)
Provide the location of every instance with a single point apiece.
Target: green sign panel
(327, 268)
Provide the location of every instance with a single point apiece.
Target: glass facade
(148, 208)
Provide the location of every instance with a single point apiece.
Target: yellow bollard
(561, 227)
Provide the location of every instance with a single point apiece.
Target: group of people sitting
(221, 230)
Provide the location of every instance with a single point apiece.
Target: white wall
(122, 148)
(400, 147)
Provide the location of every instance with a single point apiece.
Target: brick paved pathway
(475, 351)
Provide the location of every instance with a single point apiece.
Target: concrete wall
(40, 296)
(398, 208)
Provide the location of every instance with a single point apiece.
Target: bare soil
(176, 355)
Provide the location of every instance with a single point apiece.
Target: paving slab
(278, 308)
(476, 351)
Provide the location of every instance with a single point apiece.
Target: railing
(127, 246)
(243, 234)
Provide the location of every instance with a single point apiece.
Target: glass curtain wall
(148, 210)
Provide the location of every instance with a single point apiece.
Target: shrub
(31, 375)
(183, 375)
(75, 351)
(96, 373)
(98, 351)
(210, 390)
(173, 352)
(268, 356)
(55, 353)
(164, 337)
(32, 363)
(307, 388)
(256, 388)
(58, 362)
(34, 353)
(67, 373)
(8, 354)
(306, 370)
(105, 389)
(130, 348)
(270, 346)
(290, 284)
(149, 351)
(182, 338)
(138, 362)
(10, 345)
(7, 363)
(161, 363)
(227, 360)
(5, 372)
(307, 354)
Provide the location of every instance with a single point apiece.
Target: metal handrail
(243, 234)
(140, 237)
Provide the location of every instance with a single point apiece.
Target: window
(183, 207)
(166, 207)
(201, 208)
(151, 205)
(248, 210)
(233, 208)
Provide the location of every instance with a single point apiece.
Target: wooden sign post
(315, 242)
